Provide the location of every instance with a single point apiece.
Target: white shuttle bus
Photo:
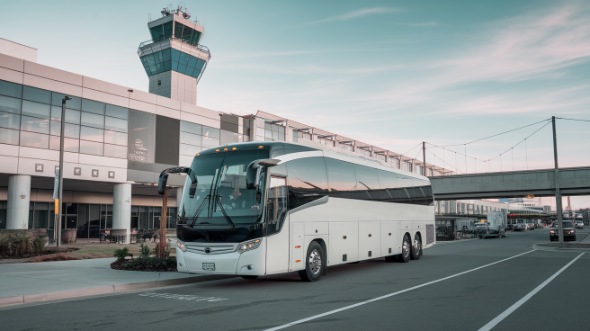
(255, 209)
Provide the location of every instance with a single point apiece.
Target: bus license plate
(208, 266)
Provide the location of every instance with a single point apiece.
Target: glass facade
(195, 138)
(31, 117)
(266, 131)
(90, 220)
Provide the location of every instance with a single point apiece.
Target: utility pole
(424, 158)
(163, 219)
(59, 202)
(557, 189)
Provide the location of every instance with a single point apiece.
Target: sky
(478, 81)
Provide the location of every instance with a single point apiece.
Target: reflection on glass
(30, 139)
(92, 120)
(36, 109)
(34, 124)
(90, 147)
(72, 116)
(8, 136)
(91, 134)
(9, 120)
(141, 143)
(115, 138)
(115, 151)
(11, 105)
(115, 124)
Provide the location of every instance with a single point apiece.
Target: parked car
(520, 227)
(579, 225)
(569, 232)
(484, 230)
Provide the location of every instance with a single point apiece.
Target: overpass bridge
(539, 183)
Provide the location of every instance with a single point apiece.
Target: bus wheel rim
(406, 248)
(315, 262)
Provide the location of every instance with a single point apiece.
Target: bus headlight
(181, 245)
(249, 245)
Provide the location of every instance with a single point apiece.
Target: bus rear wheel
(314, 263)
(406, 250)
(416, 248)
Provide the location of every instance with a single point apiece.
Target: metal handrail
(200, 47)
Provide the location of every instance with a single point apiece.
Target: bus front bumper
(250, 263)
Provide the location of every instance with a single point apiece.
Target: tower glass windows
(186, 34)
(161, 32)
(172, 59)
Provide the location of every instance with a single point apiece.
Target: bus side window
(276, 204)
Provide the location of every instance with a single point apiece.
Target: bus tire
(249, 276)
(314, 263)
(416, 248)
(404, 257)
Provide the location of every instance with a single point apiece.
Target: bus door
(277, 241)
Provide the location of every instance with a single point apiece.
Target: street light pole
(59, 203)
(557, 187)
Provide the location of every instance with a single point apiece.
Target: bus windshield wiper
(198, 211)
(227, 218)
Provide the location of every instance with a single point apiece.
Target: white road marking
(184, 297)
(524, 299)
(284, 326)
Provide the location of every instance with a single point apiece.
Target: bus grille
(210, 249)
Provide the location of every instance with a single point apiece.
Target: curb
(566, 246)
(102, 290)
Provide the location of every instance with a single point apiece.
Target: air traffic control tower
(174, 60)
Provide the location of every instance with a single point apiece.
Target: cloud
(356, 14)
(419, 24)
(537, 47)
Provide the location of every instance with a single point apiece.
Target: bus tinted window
(341, 177)
(368, 181)
(307, 180)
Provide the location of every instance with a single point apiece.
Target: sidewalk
(24, 283)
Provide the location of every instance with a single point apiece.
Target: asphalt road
(480, 284)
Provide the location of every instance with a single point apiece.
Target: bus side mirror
(253, 175)
(254, 170)
(163, 179)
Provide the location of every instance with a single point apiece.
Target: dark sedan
(569, 233)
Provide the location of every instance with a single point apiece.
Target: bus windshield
(222, 197)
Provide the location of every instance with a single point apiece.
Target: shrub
(17, 244)
(122, 253)
(144, 251)
(39, 245)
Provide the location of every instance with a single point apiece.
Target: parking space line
(524, 299)
(284, 326)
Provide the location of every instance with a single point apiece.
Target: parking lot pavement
(24, 283)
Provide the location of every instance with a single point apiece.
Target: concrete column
(122, 208)
(19, 198)
(179, 196)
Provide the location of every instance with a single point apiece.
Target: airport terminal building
(117, 140)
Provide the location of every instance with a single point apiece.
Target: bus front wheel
(249, 277)
(314, 263)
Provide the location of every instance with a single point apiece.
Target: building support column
(19, 199)
(122, 208)
(179, 192)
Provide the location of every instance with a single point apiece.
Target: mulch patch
(47, 251)
(149, 264)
